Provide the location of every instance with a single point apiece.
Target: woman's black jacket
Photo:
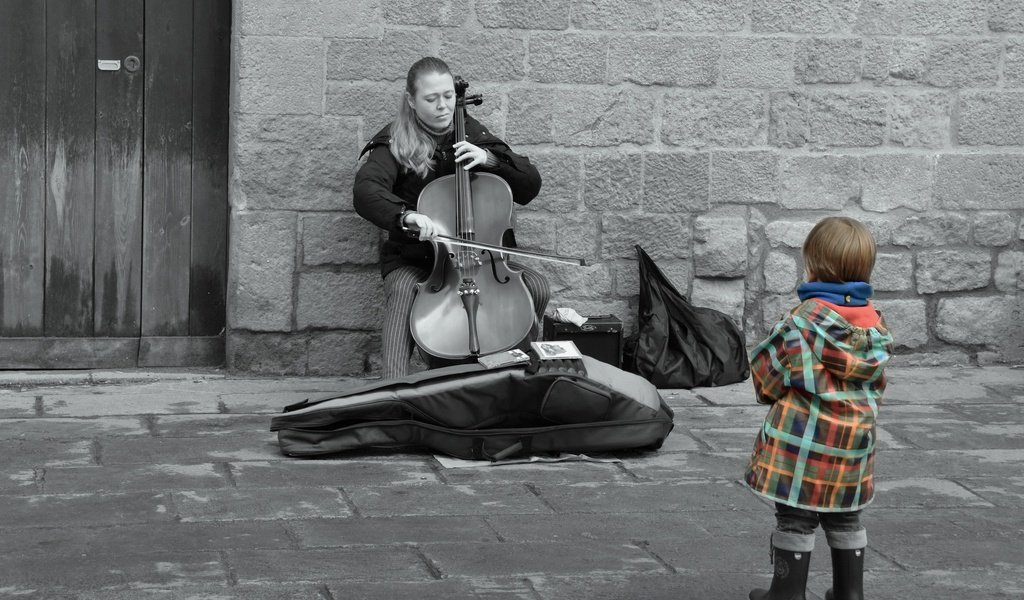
(383, 190)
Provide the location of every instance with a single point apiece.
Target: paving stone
(119, 570)
(77, 510)
(938, 434)
(933, 392)
(444, 500)
(650, 586)
(183, 426)
(332, 473)
(741, 394)
(680, 441)
(131, 478)
(938, 547)
(948, 582)
(951, 463)
(340, 564)
(44, 453)
(475, 588)
(544, 474)
(272, 403)
(732, 439)
(87, 405)
(929, 492)
(260, 503)
(16, 406)
(147, 538)
(526, 558)
(324, 533)
(624, 527)
(1006, 492)
(228, 448)
(681, 398)
(192, 591)
(69, 430)
(649, 497)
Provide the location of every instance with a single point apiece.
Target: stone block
(704, 15)
(280, 75)
(907, 321)
(676, 182)
(295, 162)
(375, 103)
(662, 236)
(744, 177)
(580, 117)
(627, 276)
(993, 229)
(562, 174)
(920, 120)
(965, 63)
(262, 261)
(975, 319)
(979, 181)
(724, 295)
(892, 272)
(1006, 15)
(578, 235)
(567, 58)
(535, 231)
(340, 300)
(991, 118)
(891, 181)
(774, 307)
(267, 353)
(719, 246)
(828, 119)
(622, 15)
(1009, 275)
(922, 17)
(592, 281)
(759, 62)
(1013, 63)
(828, 60)
(946, 229)
(953, 270)
(803, 16)
(523, 14)
(504, 60)
(699, 119)
(819, 182)
(881, 227)
(340, 352)
(339, 239)
(661, 60)
(432, 13)
(320, 18)
(895, 61)
(788, 234)
(781, 273)
(386, 58)
(613, 181)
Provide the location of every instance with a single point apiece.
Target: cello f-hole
(494, 268)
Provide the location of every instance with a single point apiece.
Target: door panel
(118, 291)
(22, 166)
(167, 188)
(70, 164)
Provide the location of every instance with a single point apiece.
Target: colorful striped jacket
(823, 378)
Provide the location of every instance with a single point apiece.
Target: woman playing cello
(417, 148)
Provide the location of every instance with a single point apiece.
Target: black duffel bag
(679, 345)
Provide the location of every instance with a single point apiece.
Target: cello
(472, 303)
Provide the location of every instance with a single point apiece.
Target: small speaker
(600, 337)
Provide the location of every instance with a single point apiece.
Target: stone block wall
(714, 133)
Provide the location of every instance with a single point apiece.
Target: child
(821, 370)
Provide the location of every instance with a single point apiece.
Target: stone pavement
(169, 485)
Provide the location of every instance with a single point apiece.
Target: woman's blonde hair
(411, 146)
(839, 249)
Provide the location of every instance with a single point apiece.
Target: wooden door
(113, 182)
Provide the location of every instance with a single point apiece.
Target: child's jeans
(794, 529)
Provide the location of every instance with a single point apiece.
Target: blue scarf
(852, 293)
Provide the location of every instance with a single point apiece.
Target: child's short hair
(839, 249)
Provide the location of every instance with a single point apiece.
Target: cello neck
(464, 198)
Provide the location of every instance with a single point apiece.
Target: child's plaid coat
(823, 377)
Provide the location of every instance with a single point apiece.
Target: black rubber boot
(790, 579)
(847, 575)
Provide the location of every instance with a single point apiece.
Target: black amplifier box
(600, 337)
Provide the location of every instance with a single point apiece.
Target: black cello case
(474, 412)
